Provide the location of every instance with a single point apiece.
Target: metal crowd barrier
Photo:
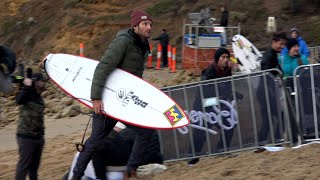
(227, 115)
(307, 99)
(314, 54)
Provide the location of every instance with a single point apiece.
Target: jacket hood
(125, 32)
(299, 38)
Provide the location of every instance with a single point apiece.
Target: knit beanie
(219, 52)
(291, 42)
(137, 16)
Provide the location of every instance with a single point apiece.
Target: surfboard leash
(80, 146)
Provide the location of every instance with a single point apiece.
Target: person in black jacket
(270, 56)
(224, 17)
(224, 23)
(164, 41)
(270, 61)
(30, 130)
(116, 149)
(220, 68)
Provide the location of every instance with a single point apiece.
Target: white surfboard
(126, 97)
(248, 56)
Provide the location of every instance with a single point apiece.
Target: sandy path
(61, 134)
(290, 164)
(54, 128)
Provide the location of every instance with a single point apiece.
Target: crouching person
(116, 149)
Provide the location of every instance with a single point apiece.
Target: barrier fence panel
(307, 99)
(314, 54)
(226, 114)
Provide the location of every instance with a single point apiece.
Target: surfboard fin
(239, 62)
(253, 51)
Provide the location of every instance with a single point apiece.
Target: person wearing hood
(224, 23)
(303, 47)
(292, 59)
(127, 51)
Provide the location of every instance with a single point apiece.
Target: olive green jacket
(127, 52)
(31, 118)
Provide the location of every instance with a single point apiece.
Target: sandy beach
(61, 134)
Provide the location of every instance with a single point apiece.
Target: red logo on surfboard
(174, 115)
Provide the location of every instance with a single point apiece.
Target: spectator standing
(224, 23)
(164, 41)
(303, 47)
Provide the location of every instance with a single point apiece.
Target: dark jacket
(212, 72)
(127, 52)
(30, 123)
(163, 38)
(7, 57)
(117, 147)
(224, 18)
(270, 60)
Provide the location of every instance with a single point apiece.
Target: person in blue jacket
(291, 60)
(303, 47)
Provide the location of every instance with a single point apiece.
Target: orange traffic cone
(174, 63)
(81, 49)
(149, 64)
(169, 57)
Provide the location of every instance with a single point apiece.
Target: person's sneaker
(193, 161)
(150, 169)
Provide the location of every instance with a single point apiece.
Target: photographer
(30, 130)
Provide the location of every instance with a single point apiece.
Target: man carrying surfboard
(127, 51)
